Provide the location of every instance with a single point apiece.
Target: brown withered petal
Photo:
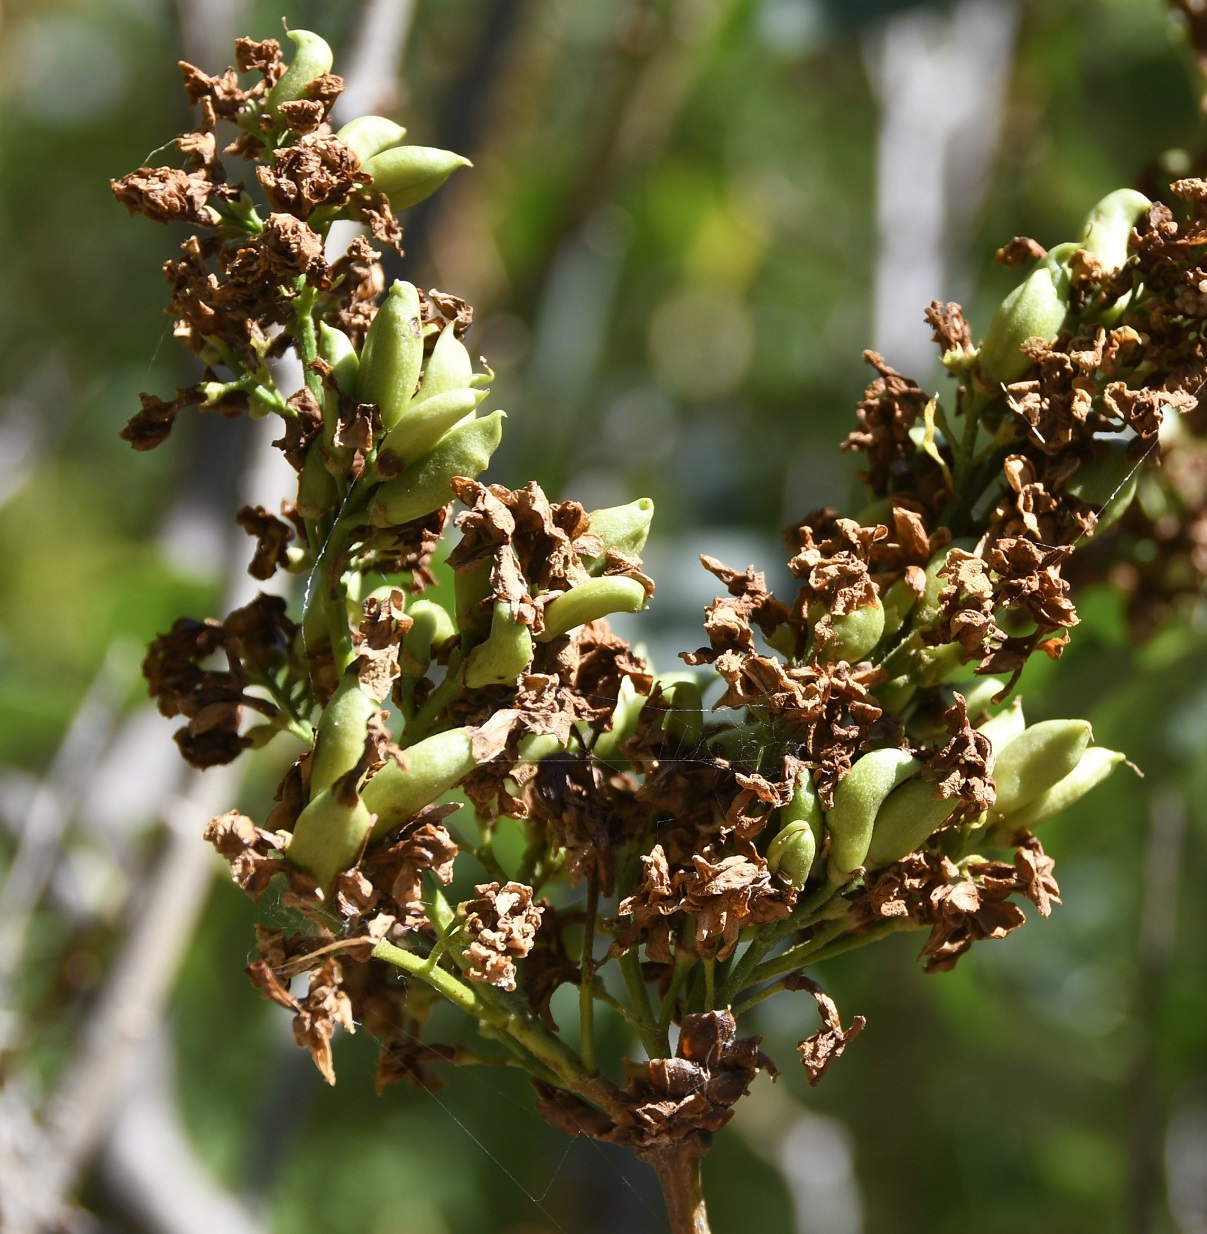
(154, 422)
(166, 195)
(951, 331)
(502, 924)
(1019, 252)
(963, 768)
(272, 540)
(828, 1043)
(317, 170)
(888, 410)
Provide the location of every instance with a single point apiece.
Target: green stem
(710, 982)
(586, 1000)
(425, 718)
(654, 1040)
(307, 335)
(794, 957)
(666, 1014)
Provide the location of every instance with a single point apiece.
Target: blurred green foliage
(669, 240)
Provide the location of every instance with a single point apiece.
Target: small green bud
(804, 806)
(427, 485)
(342, 728)
(449, 367)
(623, 528)
(1004, 727)
(337, 349)
(908, 818)
(424, 423)
(1108, 227)
(1096, 764)
(312, 59)
(434, 765)
(370, 135)
(792, 853)
(431, 628)
(857, 800)
(1036, 308)
(328, 836)
(1037, 759)
(589, 601)
(505, 654)
(408, 174)
(853, 635)
(392, 354)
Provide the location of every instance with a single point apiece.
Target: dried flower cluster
(674, 868)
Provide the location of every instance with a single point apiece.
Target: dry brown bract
(890, 406)
(502, 924)
(963, 767)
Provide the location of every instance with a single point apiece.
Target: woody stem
(678, 1168)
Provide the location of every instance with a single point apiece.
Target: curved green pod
(1096, 764)
(505, 653)
(791, 853)
(1034, 761)
(427, 485)
(624, 528)
(804, 806)
(370, 135)
(434, 765)
(318, 489)
(908, 818)
(431, 627)
(857, 800)
(408, 174)
(328, 837)
(589, 601)
(342, 729)
(685, 700)
(1036, 308)
(424, 422)
(311, 59)
(1108, 227)
(978, 694)
(392, 354)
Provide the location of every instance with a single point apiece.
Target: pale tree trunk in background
(940, 79)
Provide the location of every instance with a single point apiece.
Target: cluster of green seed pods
(883, 810)
(1039, 305)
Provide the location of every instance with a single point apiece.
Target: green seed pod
(370, 135)
(536, 746)
(1037, 759)
(857, 800)
(1096, 764)
(1036, 308)
(685, 719)
(424, 423)
(408, 174)
(471, 589)
(1004, 727)
(804, 806)
(328, 836)
(792, 853)
(434, 765)
(340, 740)
(504, 655)
(854, 634)
(624, 724)
(597, 597)
(448, 368)
(908, 818)
(623, 528)
(318, 490)
(895, 695)
(312, 59)
(1108, 227)
(426, 486)
(392, 354)
(431, 628)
